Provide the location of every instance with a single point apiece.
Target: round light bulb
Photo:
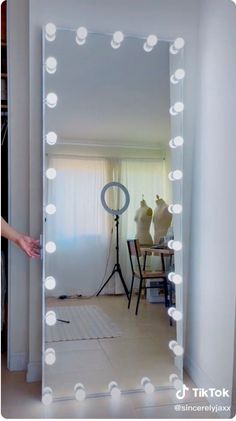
(51, 138)
(175, 278)
(50, 32)
(51, 173)
(177, 383)
(176, 209)
(50, 282)
(47, 396)
(114, 390)
(151, 41)
(176, 348)
(147, 385)
(175, 175)
(50, 356)
(179, 74)
(178, 107)
(50, 209)
(179, 43)
(51, 100)
(175, 245)
(176, 142)
(175, 314)
(81, 35)
(51, 65)
(117, 39)
(51, 247)
(80, 393)
(51, 318)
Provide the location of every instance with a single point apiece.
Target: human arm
(30, 246)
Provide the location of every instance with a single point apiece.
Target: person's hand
(30, 246)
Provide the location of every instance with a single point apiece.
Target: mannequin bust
(143, 218)
(161, 219)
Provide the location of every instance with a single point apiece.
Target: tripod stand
(117, 267)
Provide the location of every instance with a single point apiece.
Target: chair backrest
(134, 250)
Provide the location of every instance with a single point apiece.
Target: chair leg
(166, 292)
(139, 295)
(131, 291)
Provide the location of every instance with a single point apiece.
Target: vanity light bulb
(50, 282)
(80, 393)
(51, 247)
(176, 142)
(51, 173)
(175, 175)
(177, 383)
(51, 100)
(175, 208)
(51, 318)
(177, 108)
(151, 41)
(175, 245)
(114, 390)
(47, 396)
(51, 65)
(177, 46)
(118, 38)
(51, 138)
(50, 356)
(147, 385)
(177, 349)
(175, 314)
(175, 278)
(81, 35)
(177, 76)
(51, 209)
(50, 32)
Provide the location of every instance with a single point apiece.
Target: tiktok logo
(180, 394)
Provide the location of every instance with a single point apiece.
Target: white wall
(212, 287)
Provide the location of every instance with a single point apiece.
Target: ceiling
(108, 96)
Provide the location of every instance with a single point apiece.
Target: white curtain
(81, 228)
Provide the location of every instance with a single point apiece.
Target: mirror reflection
(111, 307)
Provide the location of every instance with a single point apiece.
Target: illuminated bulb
(51, 173)
(175, 175)
(175, 245)
(176, 142)
(50, 32)
(151, 41)
(51, 247)
(177, 383)
(114, 390)
(175, 208)
(50, 356)
(80, 393)
(51, 65)
(47, 396)
(118, 38)
(51, 138)
(51, 209)
(81, 35)
(147, 385)
(175, 314)
(50, 282)
(177, 46)
(177, 349)
(175, 278)
(51, 100)
(177, 76)
(51, 318)
(177, 108)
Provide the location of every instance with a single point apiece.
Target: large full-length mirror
(112, 292)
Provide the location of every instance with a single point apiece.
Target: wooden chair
(143, 275)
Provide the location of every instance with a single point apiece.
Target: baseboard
(34, 372)
(18, 361)
(201, 380)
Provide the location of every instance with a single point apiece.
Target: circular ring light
(127, 198)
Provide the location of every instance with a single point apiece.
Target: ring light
(127, 198)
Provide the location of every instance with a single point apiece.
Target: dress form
(143, 219)
(161, 219)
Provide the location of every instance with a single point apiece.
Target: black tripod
(117, 267)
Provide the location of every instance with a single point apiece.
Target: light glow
(50, 356)
(81, 35)
(47, 396)
(50, 32)
(175, 245)
(176, 142)
(176, 348)
(150, 43)
(51, 138)
(80, 393)
(114, 390)
(177, 45)
(175, 175)
(176, 209)
(117, 39)
(51, 65)
(51, 247)
(177, 383)
(51, 209)
(51, 173)
(51, 100)
(51, 318)
(175, 314)
(175, 278)
(147, 385)
(50, 282)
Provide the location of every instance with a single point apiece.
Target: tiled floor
(21, 400)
